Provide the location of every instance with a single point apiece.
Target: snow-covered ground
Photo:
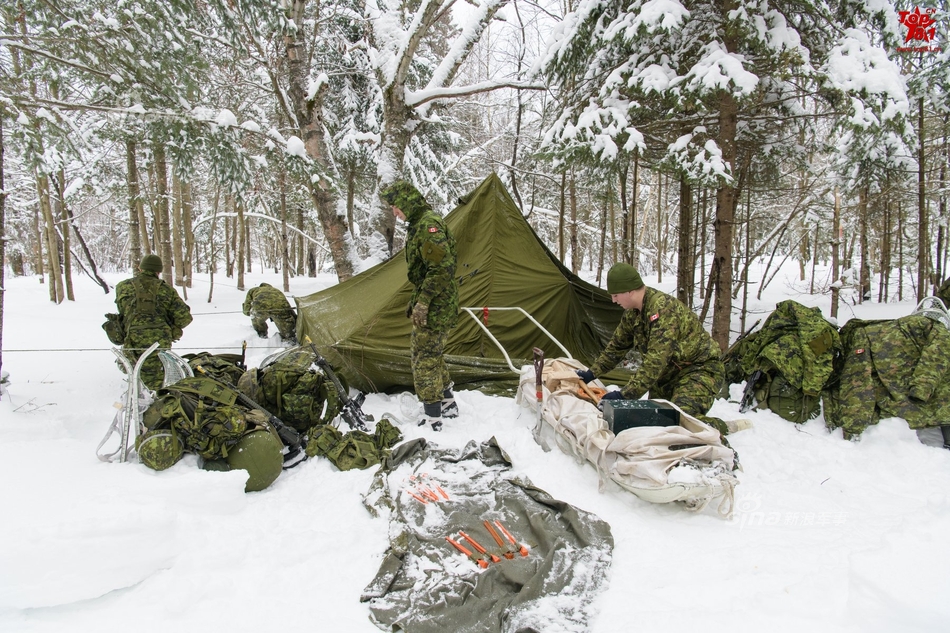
(828, 535)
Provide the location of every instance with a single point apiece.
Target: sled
(686, 463)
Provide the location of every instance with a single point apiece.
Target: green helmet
(159, 448)
(402, 195)
(259, 453)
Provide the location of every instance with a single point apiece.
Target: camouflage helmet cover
(404, 196)
(159, 448)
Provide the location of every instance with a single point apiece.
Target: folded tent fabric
(427, 585)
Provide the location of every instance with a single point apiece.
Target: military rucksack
(114, 328)
(294, 389)
(204, 415)
(222, 367)
(787, 364)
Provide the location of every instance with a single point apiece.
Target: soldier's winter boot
(432, 415)
(945, 429)
(450, 408)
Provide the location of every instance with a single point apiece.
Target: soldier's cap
(151, 263)
(623, 278)
(403, 195)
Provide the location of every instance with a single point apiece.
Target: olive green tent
(360, 325)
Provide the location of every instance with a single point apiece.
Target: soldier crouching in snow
(267, 302)
(681, 361)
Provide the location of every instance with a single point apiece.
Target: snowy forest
(688, 137)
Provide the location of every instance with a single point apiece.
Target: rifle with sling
(351, 411)
(291, 437)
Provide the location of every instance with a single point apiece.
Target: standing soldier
(151, 312)
(680, 360)
(944, 292)
(434, 306)
(267, 302)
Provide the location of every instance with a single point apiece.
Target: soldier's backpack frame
(127, 423)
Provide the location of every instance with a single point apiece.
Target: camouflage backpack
(788, 363)
(223, 367)
(203, 414)
(294, 389)
(354, 449)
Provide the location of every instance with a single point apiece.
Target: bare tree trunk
(747, 255)
(625, 218)
(865, 274)
(239, 234)
(212, 266)
(135, 204)
(603, 236)
(56, 293)
(835, 246)
(161, 208)
(725, 220)
(885, 261)
(301, 251)
(3, 244)
(575, 246)
(634, 253)
(660, 221)
(308, 111)
(285, 273)
(38, 240)
(187, 207)
(60, 183)
(177, 246)
(560, 217)
(924, 282)
(686, 258)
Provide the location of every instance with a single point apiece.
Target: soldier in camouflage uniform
(680, 360)
(151, 311)
(944, 293)
(434, 306)
(267, 302)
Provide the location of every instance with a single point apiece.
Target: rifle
(290, 436)
(351, 413)
(748, 394)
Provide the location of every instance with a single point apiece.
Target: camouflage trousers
(430, 375)
(285, 320)
(152, 372)
(694, 389)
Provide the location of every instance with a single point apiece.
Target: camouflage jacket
(944, 292)
(668, 336)
(893, 368)
(151, 308)
(265, 298)
(430, 256)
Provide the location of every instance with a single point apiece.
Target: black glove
(613, 395)
(585, 374)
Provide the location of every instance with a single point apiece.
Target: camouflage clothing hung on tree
(151, 311)
(431, 263)
(893, 368)
(680, 360)
(266, 302)
(788, 362)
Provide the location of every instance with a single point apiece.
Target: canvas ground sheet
(426, 585)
